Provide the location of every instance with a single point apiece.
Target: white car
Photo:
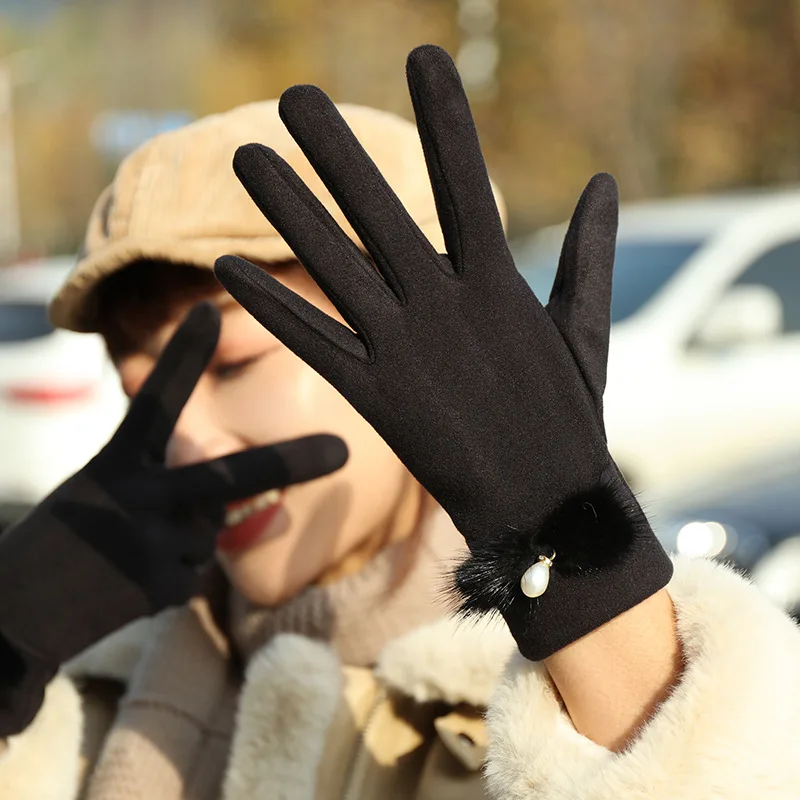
(60, 399)
(704, 367)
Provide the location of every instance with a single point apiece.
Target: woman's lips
(248, 522)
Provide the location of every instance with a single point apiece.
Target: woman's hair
(136, 301)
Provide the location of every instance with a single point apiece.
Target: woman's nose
(198, 437)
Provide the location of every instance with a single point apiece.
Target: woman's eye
(234, 368)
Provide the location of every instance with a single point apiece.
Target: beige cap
(177, 199)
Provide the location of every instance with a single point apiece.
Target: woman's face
(256, 392)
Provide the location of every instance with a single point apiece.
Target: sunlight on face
(255, 392)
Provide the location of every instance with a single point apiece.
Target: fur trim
(291, 694)
(43, 763)
(450, 660)
(728, 730)
(116, 656)
(593, 530)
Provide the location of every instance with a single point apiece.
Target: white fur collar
(300, 680)
(450, 660)
(291, 693)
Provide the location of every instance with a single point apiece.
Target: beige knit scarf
(173, 731)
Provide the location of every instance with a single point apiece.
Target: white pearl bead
(535, 580)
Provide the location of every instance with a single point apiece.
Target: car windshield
(641, 268)
(20, 322)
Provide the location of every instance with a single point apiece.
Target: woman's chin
(257, 584)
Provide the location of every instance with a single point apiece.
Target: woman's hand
(492, 401)
(125, 536)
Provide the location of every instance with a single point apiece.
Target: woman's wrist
(612, 680)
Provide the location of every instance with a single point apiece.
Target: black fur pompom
(589, 532)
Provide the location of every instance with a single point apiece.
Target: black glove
(493, 402)
(124, 537)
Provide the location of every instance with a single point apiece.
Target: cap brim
(72, 307)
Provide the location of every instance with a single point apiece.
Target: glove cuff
(607, 560)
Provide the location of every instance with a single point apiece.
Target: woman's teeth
(239, 514)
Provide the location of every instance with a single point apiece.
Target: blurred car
(749, 518)
(704, 367)
(60, 398)
(738, 517)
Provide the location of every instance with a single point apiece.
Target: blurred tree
(740, 113)
(672, 96)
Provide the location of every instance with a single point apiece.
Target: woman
(330, 670)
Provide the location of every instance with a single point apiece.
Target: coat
(309, 729)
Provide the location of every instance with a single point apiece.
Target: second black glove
(124, 537)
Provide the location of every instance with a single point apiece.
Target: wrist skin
(612, 679)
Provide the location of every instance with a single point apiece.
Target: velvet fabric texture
(124, 537)
(492, 401)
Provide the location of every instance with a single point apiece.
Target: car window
(641, 269)
(20, 322)
(779, 270)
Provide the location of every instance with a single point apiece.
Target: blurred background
(693, 106)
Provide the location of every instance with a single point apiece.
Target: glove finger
(391, 236)
(580, 301)
(198, 538)
(325, 344)
(181, 583)
(253, 471)
(154, 411)
(471, 224)
(331, 258)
